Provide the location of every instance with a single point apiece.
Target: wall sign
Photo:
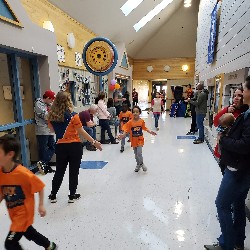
(213, 35)
(78, 59)
(7, 14)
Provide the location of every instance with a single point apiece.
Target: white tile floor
(169, 207)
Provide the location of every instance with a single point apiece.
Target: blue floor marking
(192, 137)
(93, 164)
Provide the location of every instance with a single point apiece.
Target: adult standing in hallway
(235, 184)
(118, 100)
(45, 139)
(104, 118)
(135, 97)
(193, 128)
(236, 109)
(201, 110)
(68, 128)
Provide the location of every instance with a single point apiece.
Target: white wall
(233, 49)
(32, 39)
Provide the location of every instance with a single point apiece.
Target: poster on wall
(213, 35)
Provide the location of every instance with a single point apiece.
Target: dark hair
(9, 143)
(110, 103)
(189, 85)
(101, 96)
(247, 82)
(137, 107)
(124, 107)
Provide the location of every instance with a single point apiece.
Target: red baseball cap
(50, 94)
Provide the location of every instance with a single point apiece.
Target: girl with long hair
(68, 127)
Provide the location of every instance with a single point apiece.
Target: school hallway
(169, 207)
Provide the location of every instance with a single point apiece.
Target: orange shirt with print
(124, 117)
(18, 188)
(66, 132)
(135, 129)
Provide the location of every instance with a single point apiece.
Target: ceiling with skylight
(149, 28)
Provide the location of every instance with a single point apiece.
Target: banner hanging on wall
(213, 35)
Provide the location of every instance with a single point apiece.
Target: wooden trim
(17, 22)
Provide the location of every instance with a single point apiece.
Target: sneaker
(144, 168)
(198, 141)
(137, 168)
(52, 198)
(213, 247)
(91, 148)
(48, 169)
(128, 140)
(114, 142)
(73, 198)
(122, 149)
(41, 167)
(52, 246)
(157, 129)
(105, 142)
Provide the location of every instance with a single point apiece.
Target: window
(130, 5)
(152, 14)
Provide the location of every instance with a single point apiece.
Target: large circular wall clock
(100, 56)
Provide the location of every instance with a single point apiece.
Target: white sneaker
(41, 167)
(144, 168)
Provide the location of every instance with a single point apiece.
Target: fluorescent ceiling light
(187, 5)
(187, 1)
(130, 5)
(152, 14)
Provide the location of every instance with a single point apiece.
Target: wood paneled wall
(42, 10)
(140, 69)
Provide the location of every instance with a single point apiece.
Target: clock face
(60, 53)
(99, 56)
(78, 59)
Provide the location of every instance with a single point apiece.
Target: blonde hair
(61, 104)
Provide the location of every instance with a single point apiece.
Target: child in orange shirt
(135, 128)
(124, 117)
(18, 186)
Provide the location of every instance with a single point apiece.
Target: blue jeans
(156, 116)
(232, 194)
(104, 123)
(46, 146)
(91, 131)
(200, 125)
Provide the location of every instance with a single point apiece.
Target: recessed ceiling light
(152, 14)
(130, 5)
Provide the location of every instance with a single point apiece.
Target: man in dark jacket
(201, 111)
(235, 154)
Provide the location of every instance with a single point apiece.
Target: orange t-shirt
(66, 131)
(18, 188)
(135, 129)
(125, 117)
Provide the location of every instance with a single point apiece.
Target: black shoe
(114, 142)
(73, 198)
(122, 149)
(213, 247)
(49, 169)
(52, 198)
(91, 148)
(189, 133)
(198, 141)
(104, 142)
(128, 140)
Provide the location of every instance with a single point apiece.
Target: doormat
(93, 164)
(184, 137)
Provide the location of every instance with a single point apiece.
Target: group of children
(18, 185)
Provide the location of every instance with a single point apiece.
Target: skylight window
(130, 5)
(152, 14)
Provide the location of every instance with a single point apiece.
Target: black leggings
(12, 240)
(67, 153)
